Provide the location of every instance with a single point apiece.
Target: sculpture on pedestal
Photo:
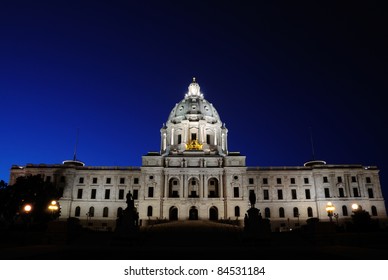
(254, 224)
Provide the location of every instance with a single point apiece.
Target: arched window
(281, 212)
(119, 211)
(149, 211)
(91, 211)
(309, 212)
(296, 212)
(77, 211)
(105, 212)
(374, 211)
(344, 211)
(237, 211)
(267, 213)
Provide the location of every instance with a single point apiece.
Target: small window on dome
(193, 107)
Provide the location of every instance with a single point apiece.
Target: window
(94, 180)
(339, 179)
(180, 139)
(91, 212)
(368, 180)
(280, 194)
(306, 180)
(296, 212)
(107, 194)
(119, 212)
(122, 181)
(267, 213)
(149, 211)
(266, 194)
(136, 181)
(93, 194)
(237, 211)
(193, 136)
(344, 211)
(327, 192)
(278, 181)
(121, 194)
(151, 177)
(108, 180)
(208, 138)
(325, 180)
(309, 212)
(135, 194)
(81, 180)
(355, 192)
(265, 181)
(292, 181)
(374, 211)
(293, 193)
(370, 193)
(150, 192)
(341, 192)
(281, 212)
(307, 193)
(354, 179)
(251, 181)
(79, 194)
(77, 211)
(105, 212)
(236, 192)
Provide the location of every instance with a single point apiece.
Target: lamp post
(356, 207)
(53, 207)
(330, 211)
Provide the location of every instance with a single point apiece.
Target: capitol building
(196, 177)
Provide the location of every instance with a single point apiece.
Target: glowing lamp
(27, 208)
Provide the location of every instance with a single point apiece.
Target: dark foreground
(192, 240)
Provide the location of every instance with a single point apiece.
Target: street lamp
(356, 207)
(330, 210)
(27, 208)
(53, 207)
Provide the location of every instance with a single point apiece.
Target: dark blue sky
(114, 70)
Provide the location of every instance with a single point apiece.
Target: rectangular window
(107, 194)
(236, 192)
(370, 193)
(339, 179)
(81, 180)
(208, 138)
(354, 179)
(251, 181)
(341, 192)
(122, 181)
(135, 194)
(292, 181)
(93, 194)
(180, 139)
(108, 180)
(325, 180)
(136, 181)
(266, 194)
(280, 194)
(150, 191)
(306, 180)
(368, 180)
(193, 136)
(94, 180)
(355, 192)
(121, 194)
(307, 193)
(327, 192)
(79, 193)
(278, 181)
(293, 193)
(265, 181)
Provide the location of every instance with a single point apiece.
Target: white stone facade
(195, 177)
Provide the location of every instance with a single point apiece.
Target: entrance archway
(173, 214)
(213, 213)
(193, 213)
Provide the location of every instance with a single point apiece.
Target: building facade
(194, 176)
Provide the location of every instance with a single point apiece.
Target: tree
(32, 190)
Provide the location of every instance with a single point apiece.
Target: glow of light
(27, 208)
(355, 206)
(330, 207)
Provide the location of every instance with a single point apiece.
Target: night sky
(277, 73)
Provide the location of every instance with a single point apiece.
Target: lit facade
(194, 176)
